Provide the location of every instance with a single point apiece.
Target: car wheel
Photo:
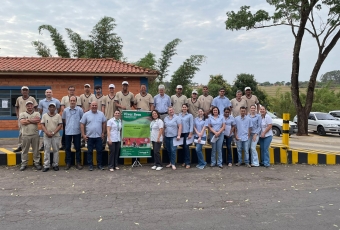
(276, 131)
(321, 131)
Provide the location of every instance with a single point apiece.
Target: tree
(333, 76)
(215, 83)
(78, 45)
(299, 15)
(42, 49)
(149, 62)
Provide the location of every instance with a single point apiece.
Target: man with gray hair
(162, 102)
(237, 103)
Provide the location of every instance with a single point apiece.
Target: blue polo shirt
(44, 103)
(161, 103)
(187, 122)
(199, 125)
(93, 123)
(242, 126)
(216, 123)
(221, 103)
(171, 126)
(72, 120)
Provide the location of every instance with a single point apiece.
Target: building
(58, 74)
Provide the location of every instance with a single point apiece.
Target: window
(9, 95)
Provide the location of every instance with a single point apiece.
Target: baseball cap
(195, 91)
(179, 87)
(112, 86)
(247, 88)
(24, 87)
(125, 83)
(52, 104)
(87, 85)
(29, 102)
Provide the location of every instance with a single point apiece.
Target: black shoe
(100, 167)
(56, 168)
(68, 167)
(261, 164)
(62, 148)
(41, 148)
(37, 167)
(90, 168)
(78, 166)
(22, 168)
(45, 169)
(19, 149)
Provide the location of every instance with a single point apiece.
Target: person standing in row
(237, 103)
(200, 125)
(109, 107)
(266, 136)
(85, 99)
(228, 134)
(20, 107)
(206, 100)
(221, 101)
(124, 99)
(143, 100)
(178, 100)
(162, 102)
(193, 104)
(251, 99)
(51, 123)
(64, 103)
(71, 117)
(94, 123)
(157, 128)
(30, 135)
(254, 135)
(242, 134)
(216, 126)
(173, 129)
(114, 127)
(187, 130)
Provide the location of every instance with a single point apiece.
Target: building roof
(55, 65)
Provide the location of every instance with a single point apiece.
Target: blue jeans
(264, 146)
(76, 142)
(229, 153)
(186, 149)
(243, 145)
(199, 153)
(91, 144)
(171, 149)
(254, 155)
(217, 146)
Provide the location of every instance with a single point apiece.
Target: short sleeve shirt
(187, 122)
(143, 102)
(21, 103)
(221, 103)
(177, 102)
(30, 129)
(193, 107)
(171, 126)
(250, 101)
(110, 106)
(199, 125)
(205, 102)
(256, 121)
(43, 104)
(85, 101)
(242, 126)
(99, 100)
(65, 101)
(162, 103)
(155, 126)
(267, 120)
(72, 120)
(93, 123)
(236, 105)
(51, 122)
(116, 126)
(230, 122)
(125, 99)
(216, 123)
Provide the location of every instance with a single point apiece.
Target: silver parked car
(335, 113)
(278, 123)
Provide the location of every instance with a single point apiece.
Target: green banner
(136, 141)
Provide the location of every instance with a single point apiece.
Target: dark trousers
(156, 155)
(63, 141)
(229, 153)
(68, 143)
(97, 144)
(186, 149)
(114, 153)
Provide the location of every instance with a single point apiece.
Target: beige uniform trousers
(48, 143)
(27, 142)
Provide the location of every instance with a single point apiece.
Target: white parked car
(278, 123)
(335, 113)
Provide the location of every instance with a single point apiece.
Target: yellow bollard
(285, 129)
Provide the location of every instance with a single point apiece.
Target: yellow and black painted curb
(279, 154)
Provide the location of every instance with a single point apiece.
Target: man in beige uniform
(86, 98)
(237, 103)
(108, 108)
(144, 100)
(20, 106)
(51, 123)
(124, 99)
(30, 135)
(194, 104)
(178, 100)
(206, 100)
(98, 97)
(251, 99)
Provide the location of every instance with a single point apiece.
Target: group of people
(95, 119)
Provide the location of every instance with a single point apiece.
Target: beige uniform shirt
(143, 102)
(177, 102)
(110, 106)
(99, 101)
(65, 101)
(51, 123)
(236, 105)
(193, 107)
(205, 102)
(125, 100)
(30, 129)
(85, 101)
(21, 103)
(250, 101)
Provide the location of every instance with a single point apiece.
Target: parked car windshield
(335, 114)
(272, 115)
(324, 116)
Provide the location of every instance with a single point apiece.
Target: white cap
(24, 87)
(195, 91)
(247, 88)
(52, 104)
(179, 87)
(87, 85)
(125, 83)
(112, 86)
(29, 102)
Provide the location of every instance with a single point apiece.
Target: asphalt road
(281, 197)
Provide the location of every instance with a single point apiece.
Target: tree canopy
(332, 76)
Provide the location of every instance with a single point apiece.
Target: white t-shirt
(267, 120)
(155, 125)
(116, 126)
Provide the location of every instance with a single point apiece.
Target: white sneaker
(154, 167)
(159, 168)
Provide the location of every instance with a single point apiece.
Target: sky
(149, 25)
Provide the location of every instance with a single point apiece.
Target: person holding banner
(200, 125)
(187, 129)
(114, 127)
(157, 127)
(229, 121)
(173, 130)
(216, 126)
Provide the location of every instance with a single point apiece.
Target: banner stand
(136, 163)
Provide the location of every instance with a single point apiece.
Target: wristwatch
(52, 133)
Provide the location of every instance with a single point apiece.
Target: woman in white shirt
(266, 136)
(156, 127)
(114, 126)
